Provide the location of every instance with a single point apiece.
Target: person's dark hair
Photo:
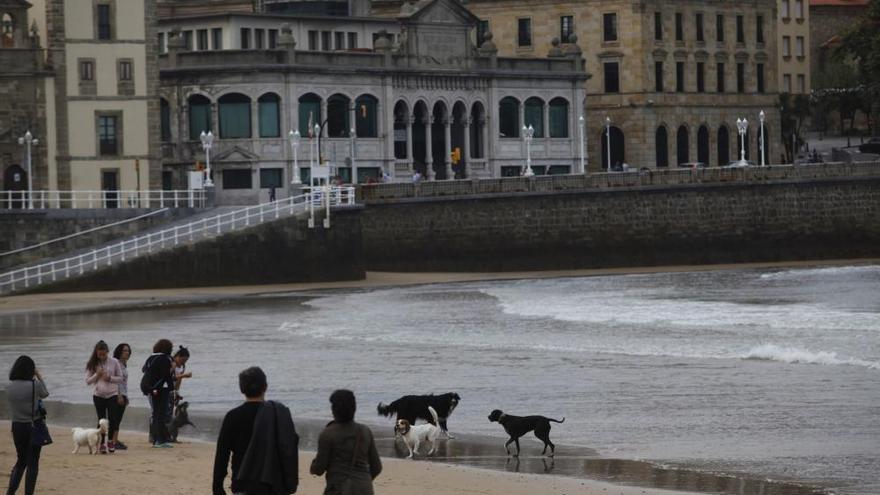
(252, 382)
(182, 352)
(117, 352)
(343, 405)
(163, 346)
(23, 369)
(92, 365)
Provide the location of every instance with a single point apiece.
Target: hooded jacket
(271, 459)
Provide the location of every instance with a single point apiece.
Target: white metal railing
(189, 198)
(61, 269)
(84, 232)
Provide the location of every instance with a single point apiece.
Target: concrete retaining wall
(643, 226)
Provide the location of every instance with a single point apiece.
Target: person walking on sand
(104, 374)
(346, 450)
(157, 384)
(25, 389)
(121, 353)
(262, 440)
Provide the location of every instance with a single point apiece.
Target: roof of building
(839, 3)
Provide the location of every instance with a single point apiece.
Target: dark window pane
(679, 77)
(558, 118)
(202, 39)
(259, 38)
(741, 78)
(338, 124)
(679, 27)
(700, 27)
(612, 77)
(270, 178)
(245, 38)
(366, 118)
(701, 77)
(719, 28)
(234, 112)
(740, 29)
(661, 143)
(269, 116)
(720, 75)
(165, 112)
(217, 38)
(107, 135)
(534, 116)
(104, 23)
(658, 77)
(273, 39)
(482, 29)
(658, 26)
(508, 117)
(759, 74)
(309, 114)
(524, 32)
(760, 29)
(199, 116)
(610, 27)
(566, 28)
(237, 178)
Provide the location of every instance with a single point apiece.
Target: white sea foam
(826, 272)
(771, 352)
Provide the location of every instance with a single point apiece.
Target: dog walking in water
(414, 435)
(517, 426)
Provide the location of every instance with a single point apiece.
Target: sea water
(773, 373)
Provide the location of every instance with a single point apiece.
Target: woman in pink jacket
(104, 374)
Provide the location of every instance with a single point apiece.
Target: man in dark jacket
(262, 440)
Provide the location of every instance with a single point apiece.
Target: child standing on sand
(122, 353)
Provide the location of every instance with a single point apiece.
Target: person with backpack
(157, 384)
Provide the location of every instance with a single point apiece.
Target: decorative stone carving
(572, 50)
(555, 50)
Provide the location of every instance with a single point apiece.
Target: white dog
(414, 435)
(90, 437)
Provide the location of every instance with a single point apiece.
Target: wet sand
(465, 464)
(187, 469)
(109, 300)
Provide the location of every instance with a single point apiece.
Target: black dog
(180, 419)
(517, 426)
(412, 407)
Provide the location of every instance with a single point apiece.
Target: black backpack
(147, 384)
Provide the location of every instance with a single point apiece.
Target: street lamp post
(608, 140)
(207, 143)
(294, 144)
(761, 116)
(583, 145)
(742, 125)
(317, 131)
(528, 134)
(29, 140)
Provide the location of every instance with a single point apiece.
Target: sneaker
(111, 447)
(121, 446)
(102, 449)
(163, 446)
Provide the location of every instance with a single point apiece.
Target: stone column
(410, 120)
(255, 120)
(447, 136)
(547, 121)
(429, 145)
(322, 117)
(466, 152)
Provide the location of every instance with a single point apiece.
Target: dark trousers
(159, 419)
(120, 412)
(108, 409)
(28, 458)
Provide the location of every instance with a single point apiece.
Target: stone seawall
(641, 226)
(280, 251)
(24, 228)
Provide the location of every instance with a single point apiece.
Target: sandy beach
(186, 469)
(104, 300)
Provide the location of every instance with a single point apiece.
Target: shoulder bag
(39, 431)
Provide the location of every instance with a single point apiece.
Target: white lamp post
(317, 131)
(761, 116)
(207, 143)
(583, 145)
(608, 140)
(294, 144)
(528, 134)
(29, 140)
(352, 136)
(742, 125)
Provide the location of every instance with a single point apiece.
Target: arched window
(534, 116)
(723, 146)
(309, 113)
(7, 31)
(337, 116)
(366, 118)
(703, 145)
(478, 121)
(234, 111)
(559, 118)
(683, 146)
(401, 120)
(165, 118)
(199, 116)
(508, 117)
(661, 145)
(270, 120)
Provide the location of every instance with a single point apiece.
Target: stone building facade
(829, 19)
(23, 82)
(419, 97)
(673, 77)
(793, 43)
(106, 117)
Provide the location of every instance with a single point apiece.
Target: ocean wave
(793, 355)
(797, 273)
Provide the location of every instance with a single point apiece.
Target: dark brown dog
(517, 426)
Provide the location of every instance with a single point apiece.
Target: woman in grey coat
(346, 451)
(26, 387)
